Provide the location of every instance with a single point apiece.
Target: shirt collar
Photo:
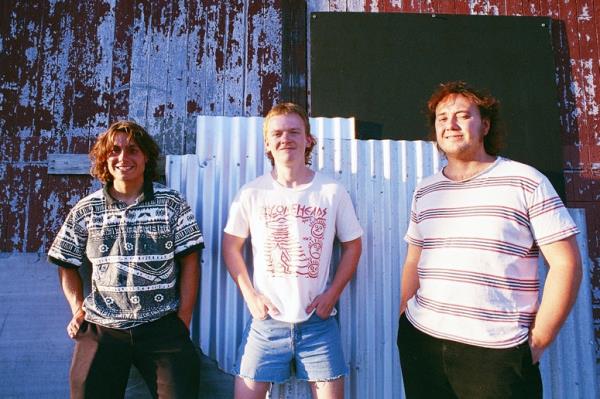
(147, 193)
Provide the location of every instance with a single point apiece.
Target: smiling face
(126, 161)
(286, 139)
(460, 129)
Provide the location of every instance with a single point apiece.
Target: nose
(451, 123)
(285, 135)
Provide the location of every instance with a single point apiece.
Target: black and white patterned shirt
(133, 251)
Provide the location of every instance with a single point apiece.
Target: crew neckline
(481, 172)
(300, 187)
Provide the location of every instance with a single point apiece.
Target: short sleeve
(413, 235)
(346, 224)
(68, 248)
(187, 232)
(238, 223)
(550, 220)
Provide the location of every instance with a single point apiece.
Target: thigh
(328, 389)
(101, 362)
(319, 353)
(249, 389)
(422, 363)
(166, 358)
(265, 353)
(501, 373)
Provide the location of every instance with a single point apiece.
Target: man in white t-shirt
(471, 325)
(292, 215)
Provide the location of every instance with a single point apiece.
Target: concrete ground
(35, 351)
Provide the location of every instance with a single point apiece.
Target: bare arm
(560, 293)
(258, 304)
(325, 302)
(189, 279)
(410, 278)
(72, 287)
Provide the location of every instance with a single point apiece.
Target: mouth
(453, 136)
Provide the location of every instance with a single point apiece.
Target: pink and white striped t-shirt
(480, 241)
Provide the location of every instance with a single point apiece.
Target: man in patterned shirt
(142, 241)
(471, 325)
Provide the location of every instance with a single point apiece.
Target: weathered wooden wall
(70, 68)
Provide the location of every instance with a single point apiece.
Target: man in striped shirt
(471, 325)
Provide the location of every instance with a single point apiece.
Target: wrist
(539, 340)
(80, 312)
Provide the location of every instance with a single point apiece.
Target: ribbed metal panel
(380, 176)
(569, 365)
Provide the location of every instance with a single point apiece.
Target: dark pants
(161, 350)
(438, 368)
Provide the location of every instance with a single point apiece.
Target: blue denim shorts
(273, 351)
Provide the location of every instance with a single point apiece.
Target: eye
(115, 151)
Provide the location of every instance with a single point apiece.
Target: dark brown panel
(293, 52)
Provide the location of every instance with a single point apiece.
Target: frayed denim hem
(260, 380)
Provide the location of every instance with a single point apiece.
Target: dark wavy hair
(285, 109)
(104, 145)
(489, 108)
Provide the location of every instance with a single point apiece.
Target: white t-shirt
(479, 242)
(292, 232)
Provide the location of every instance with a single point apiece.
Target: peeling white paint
(587, 67)
(374, 6)
(24, 95)
(532, 9)
(577, 92)
(31, 55)
(585, 14)
(482, 8)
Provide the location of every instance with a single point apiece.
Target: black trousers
(438, 368)
(161, 350)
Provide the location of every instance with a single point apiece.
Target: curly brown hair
(285, 109)
(104, 145)
(489, 109)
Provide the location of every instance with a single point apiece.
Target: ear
(310, 140)
(485, 126)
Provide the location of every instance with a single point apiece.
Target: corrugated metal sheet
(569, 368)
(380, 176)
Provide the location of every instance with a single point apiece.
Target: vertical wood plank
(21, 26)
(90, 64)
(575, 120)
(14, 191)
(443, 7)
(195, 54)
(462, 7)
(263, 62)
(590, 72)
(120, 84)
(140, 53)
(514, 7)
(234, 70)
(159, 62)
(293, 53)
